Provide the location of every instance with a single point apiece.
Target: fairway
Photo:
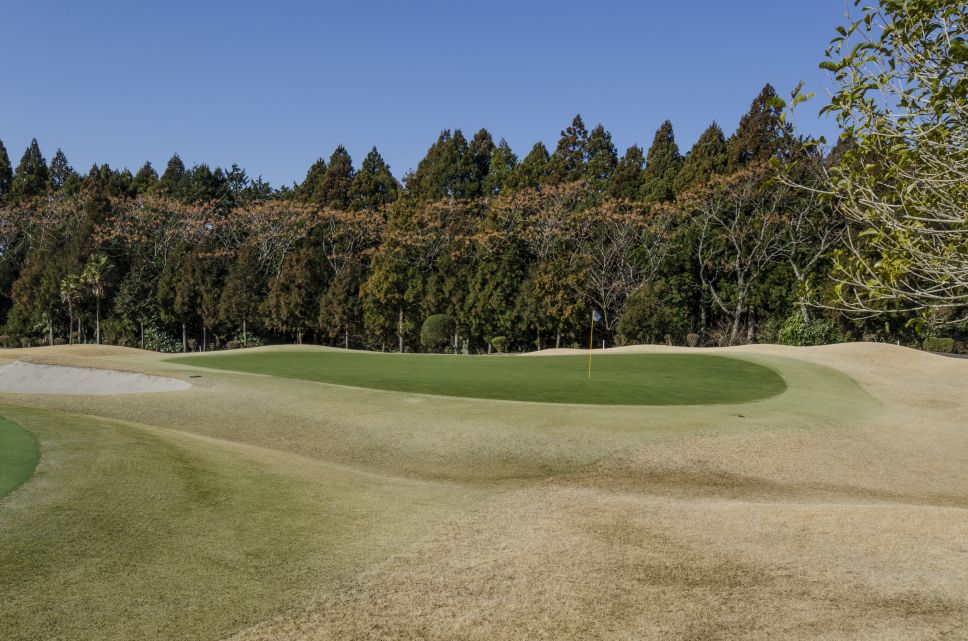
(639, 379)
(18, 456)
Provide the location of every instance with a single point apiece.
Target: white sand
(29, 378)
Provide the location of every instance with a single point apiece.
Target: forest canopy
(758, 235)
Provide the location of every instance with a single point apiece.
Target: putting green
(617, 379)
(18, 456)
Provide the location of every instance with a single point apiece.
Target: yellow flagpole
(591, 345)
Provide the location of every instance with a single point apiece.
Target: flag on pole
(596, 317)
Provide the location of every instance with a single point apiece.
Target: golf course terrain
(299, 493)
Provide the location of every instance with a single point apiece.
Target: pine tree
(32, 175)
(602, 158)
(568, 163)
(761, 134)
(533, 170)
(60, 171)
(145, 180)
(174, 182)
(662, 164)
(373, 186)
(6, 172)
(334, 187)
(707, 158)
(627, 179)
(501, 171)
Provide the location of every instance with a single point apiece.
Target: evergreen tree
(444, 172)
(568, 163)
(206, 185)
(242, 293)
(334, 187)
(292, 304)
(145, 180)
(761, 134)
(478, 162)
(533, 170)
(32, 175)
(707, 158)
(6, 172)
(61, 173)
(174, 182)
(662, 164)
(627, 179)
(311, 184)
(373, 186)
(501, 170)
(602, 158)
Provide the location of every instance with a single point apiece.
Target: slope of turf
(18, 456)
(617, 379)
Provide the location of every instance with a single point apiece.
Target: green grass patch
(18, 456)
(617, 379)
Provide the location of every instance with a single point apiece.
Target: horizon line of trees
(706, 247)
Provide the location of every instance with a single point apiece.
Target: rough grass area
(641, 379)
(18, 456)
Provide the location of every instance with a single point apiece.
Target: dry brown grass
(838, 510)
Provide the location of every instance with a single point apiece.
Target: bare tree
(741, 234)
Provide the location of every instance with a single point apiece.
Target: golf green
(18, 456)
(617, 379)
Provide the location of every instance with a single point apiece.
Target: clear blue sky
(274, 85)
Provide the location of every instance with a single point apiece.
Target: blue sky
(274, 85)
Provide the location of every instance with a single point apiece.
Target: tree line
(730, 242)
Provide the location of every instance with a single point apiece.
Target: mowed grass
(18, 456)
(132, 532)
(617, 379)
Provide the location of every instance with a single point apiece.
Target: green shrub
(437, 332)
(251, 340)
(233, 345)
(158, 341)
(943, 345)
(692, 339)
(500, 343)
(816, 331)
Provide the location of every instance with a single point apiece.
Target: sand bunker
(29, 378)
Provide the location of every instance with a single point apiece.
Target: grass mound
(18, 456)
(617, 379)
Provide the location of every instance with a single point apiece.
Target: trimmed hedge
(437, 332)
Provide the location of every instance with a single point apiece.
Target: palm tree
(70, 293)
(94, 272)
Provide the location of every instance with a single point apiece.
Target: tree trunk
(804, 310)
(558, 340)
(70, 327)
(204, 338)
(400, 330)
(50, 330)
(97, 320)
(346, 334)
(184, 338)
(142, 334)
(245, 339)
